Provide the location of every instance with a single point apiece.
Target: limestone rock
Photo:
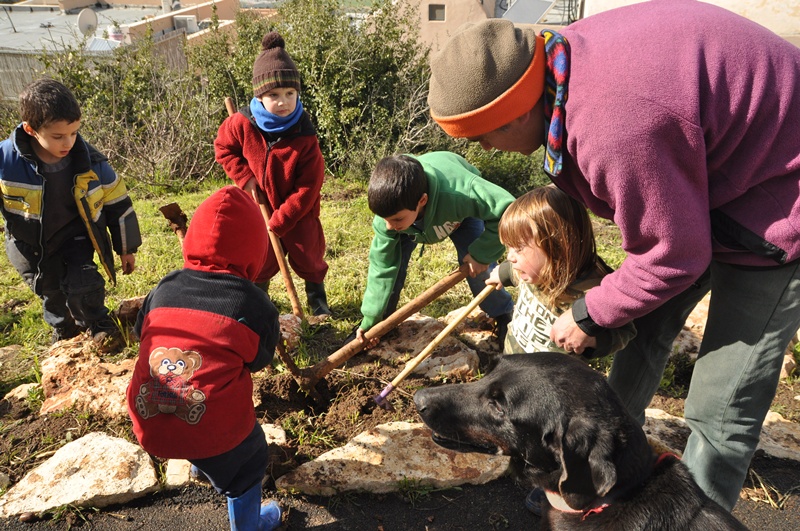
(665, 432)
(74, 375)
(94, 471)
(475, 330)
(21, 392)
(384, 458)
(450, 357)
(177, 473)
(780, 437)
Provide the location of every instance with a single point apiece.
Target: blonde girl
(552, 259)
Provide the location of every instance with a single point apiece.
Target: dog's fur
(567, 432)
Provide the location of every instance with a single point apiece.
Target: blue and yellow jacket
(101, 197)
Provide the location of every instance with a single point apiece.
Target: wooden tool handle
(411, 365)
(322, 368)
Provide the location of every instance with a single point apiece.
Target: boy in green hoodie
(425, 199)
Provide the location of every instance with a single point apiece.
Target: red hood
(227, 234)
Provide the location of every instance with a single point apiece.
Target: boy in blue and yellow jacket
(60, 201)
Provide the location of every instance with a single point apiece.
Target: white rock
(177, 473)
(411, 337)
(383, 459)
(275, 434)
(73, 375)
(780, 437)
(475, 330)
(665, 432)
(21, 392)
(93, 471)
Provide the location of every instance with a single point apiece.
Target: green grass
(347, 222)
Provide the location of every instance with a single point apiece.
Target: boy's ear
(423, 200)
(28, 129)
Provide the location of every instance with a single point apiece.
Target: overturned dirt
(771, 496)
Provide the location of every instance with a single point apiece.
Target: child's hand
(128, 263)
(494, 279)
(368, 343)
(252, 189)
(474, 268)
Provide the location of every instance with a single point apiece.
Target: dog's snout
(420, 400)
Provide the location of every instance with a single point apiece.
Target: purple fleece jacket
(677, 108)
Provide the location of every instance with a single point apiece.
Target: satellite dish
(87, 21)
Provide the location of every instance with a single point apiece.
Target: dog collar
(559, 503)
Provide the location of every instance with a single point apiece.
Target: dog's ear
(587, 471)
(492, 363)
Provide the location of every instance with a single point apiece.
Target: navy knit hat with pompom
(273, 67)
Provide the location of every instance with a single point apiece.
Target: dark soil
(771, 502)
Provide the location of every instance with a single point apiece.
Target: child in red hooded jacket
(270, 148)
(203, 330)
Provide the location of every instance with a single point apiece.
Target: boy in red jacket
(203, 330)
(270, 148)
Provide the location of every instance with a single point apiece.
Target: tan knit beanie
(274, 67)
(487, 75)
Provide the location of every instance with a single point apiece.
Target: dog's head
(558, 420)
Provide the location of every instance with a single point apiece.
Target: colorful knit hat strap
(556, 81)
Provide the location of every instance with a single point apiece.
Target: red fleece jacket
(289, 169)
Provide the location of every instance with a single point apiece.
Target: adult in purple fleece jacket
(679, 121)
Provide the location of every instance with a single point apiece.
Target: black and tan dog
(567, 432)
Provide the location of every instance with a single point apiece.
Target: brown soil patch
(346, 409)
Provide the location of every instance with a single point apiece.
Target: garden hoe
(308, 377)
(273, 238)
(177, 219)
(411, 365)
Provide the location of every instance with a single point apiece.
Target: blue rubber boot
(270, 516)
(243, 511)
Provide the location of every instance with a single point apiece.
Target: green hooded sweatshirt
(456, 191)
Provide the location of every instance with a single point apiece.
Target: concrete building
(32, 27)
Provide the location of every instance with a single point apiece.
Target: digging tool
(411, 365)
(308, 377)
(273, 238)
(177, 219)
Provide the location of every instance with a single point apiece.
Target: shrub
(515, 172)
(155, 124)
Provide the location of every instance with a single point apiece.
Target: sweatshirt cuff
(584, 321)
(505, 272)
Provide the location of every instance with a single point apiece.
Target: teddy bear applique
(169, 389)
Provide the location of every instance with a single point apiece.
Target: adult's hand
(474, 268)
(566, 334)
